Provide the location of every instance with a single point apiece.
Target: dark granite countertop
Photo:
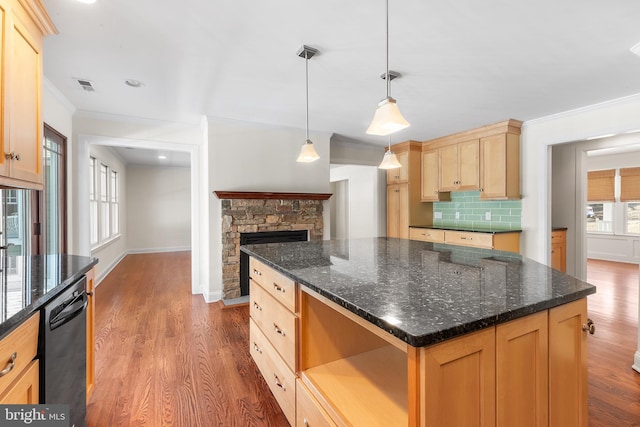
(463, 228)
(30, 282)
(422, 293)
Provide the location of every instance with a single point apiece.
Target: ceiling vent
(86, 85)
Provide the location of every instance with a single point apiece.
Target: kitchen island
(399, 332)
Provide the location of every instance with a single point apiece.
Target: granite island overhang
(419, 329)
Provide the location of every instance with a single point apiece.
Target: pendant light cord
(306, 66)
(387, 35)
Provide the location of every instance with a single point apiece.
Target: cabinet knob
(589, 327)
(12, 156)
(306, 423)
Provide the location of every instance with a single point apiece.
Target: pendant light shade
(308, 153)
(387, 118)
(390, 160)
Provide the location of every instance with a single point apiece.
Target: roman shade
(600, 186)
(630, 184)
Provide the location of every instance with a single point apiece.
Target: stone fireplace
(255, 212)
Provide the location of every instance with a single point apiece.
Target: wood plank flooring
(614, 388)
(166, 358)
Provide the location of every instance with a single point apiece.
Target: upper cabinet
(430, 186)
(24, 25)
(401, 174)
(485, 159)
(459, 166)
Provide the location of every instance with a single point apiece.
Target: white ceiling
(149, 157)
(464, 63)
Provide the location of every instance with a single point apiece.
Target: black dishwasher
(63, 352)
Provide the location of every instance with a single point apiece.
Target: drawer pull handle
(466, 238)
(257, 306)
(256, 272)
(278, 330)
(278, 383)
(589, 326)
(306, 423)
(278, 288)
(257, 348)
(10, 365)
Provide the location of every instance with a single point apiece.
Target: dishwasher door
(63, 353)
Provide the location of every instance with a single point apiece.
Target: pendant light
(387, 118)
(308, 153)
(390, 160)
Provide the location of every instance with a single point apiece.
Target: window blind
(600, 186)
(629, 184)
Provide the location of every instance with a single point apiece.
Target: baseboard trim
(158, 250)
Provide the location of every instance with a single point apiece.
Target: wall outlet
(437, 215)
(487, 216)
(457, 215)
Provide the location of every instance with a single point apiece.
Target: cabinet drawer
(21, 342)
(276, 322)
(426, 234)
(479, 240)
(558, 237)
(281, 287)
(279, 377)
(24, 390)
(309, 413)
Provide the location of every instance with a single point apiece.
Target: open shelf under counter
(370, 388)
(358, 371)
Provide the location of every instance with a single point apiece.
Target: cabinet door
(568, 365)
(401, 174)
(458, 381)
(522, 372)
(429, 185)
(469, 165)
(4, 130)
(398, 211)
(448, 168)
(24, 390)
(25, 130)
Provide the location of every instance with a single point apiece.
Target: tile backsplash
(472, 212)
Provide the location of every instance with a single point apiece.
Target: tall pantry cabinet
(404, 207)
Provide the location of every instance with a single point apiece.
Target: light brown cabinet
(568, 365)
(19, 383)
(459, 166)
(91, 332)
(404, 205)
(430, 174)
(500, 167)
(559, 250)
(485, 159)
(24, 25)
(509, 242)
(273, 332)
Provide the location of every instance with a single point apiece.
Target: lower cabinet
(531, 371)
(19, 371)
(559, 250)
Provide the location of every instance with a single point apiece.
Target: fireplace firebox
(260, 238)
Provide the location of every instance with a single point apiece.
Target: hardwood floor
(614, 388)
(166, 358)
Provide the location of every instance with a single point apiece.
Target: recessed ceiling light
(161, 157)
(87, 1)
(133, 83)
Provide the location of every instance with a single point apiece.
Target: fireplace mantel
(261, 195)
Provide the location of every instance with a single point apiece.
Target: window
(93, 200)
(613, 201)
(632, 223)
(50, 205)
(104, 202)
(600, 217)
(115, 219)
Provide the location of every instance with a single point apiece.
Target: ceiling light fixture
(162, 157)
(390, 160)
(387, 118)
(87, 1)
(133, 83)
(308, 153)
(635, 49)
